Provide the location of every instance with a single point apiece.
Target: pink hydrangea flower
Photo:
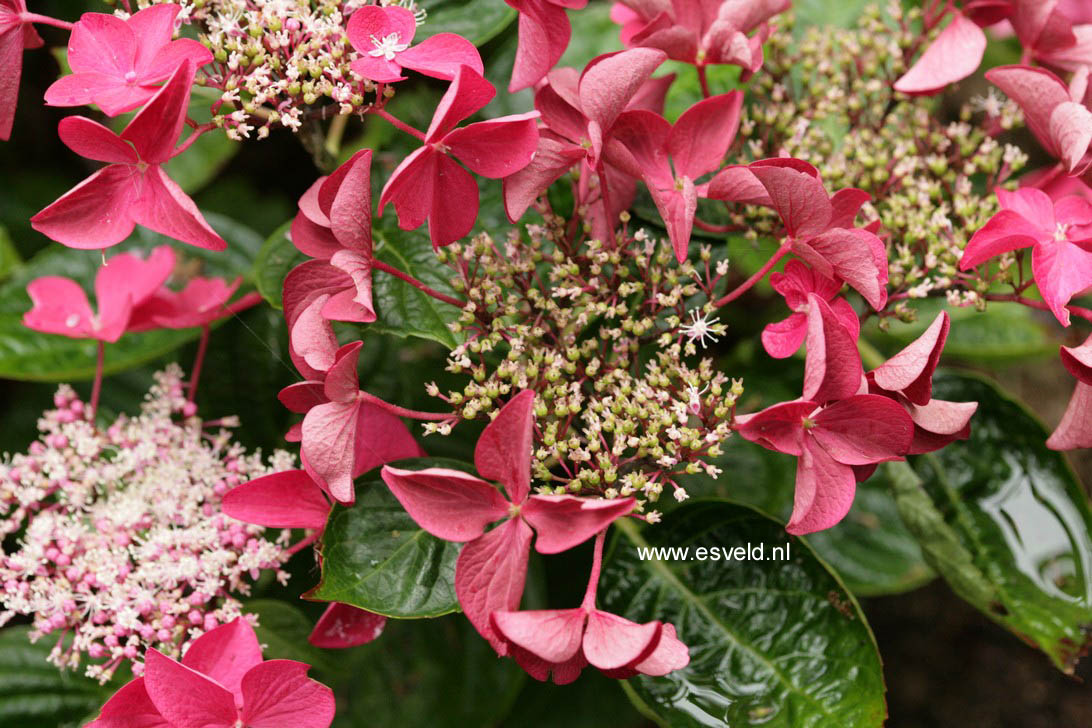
(819, 226)
(907, 378)
(579, 111)
(1054, 113)
(1062, 265)
(15, 36)
(1075, 430)
(452, 505)
(430, 185)
(544, 33)
(383, 37)
(122, 285)
(334, 226)
(783, 338)
(201, 302)
(345, 432)
(829, 442)
(133, 188)
(670, 158)
(701, 33)
(119, 64)
(221, 682)
(955, 54)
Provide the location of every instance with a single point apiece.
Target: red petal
(165, 208)
(832, 369)
(798, 198)
(1075, 430)
(778, 427)
(1037, 91)
(553, 635)
(702, 135)
(468, 93)
(278, 693)
(449, 504)
(95, 213)
(498, 147)
(562, 522)
(184, 696)
(911, 370)
(94, 141)
(824, 491)
(490, 574)
(544, 32)
(154, 130)
(290, 499)
(611, 641)
(954, 55)
(441, 55)
(503, 452)
(130, 707)
(343, 625)
(864, 429)
(225, 653)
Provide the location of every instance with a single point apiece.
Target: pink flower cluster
(122, 546)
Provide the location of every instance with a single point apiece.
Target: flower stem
(704, 82)
(711, 228)
(44, 20)
(397, 123)
(759, 275)
(1080, 311)
(403, 412)
(197, 132)
(96, 388)
(596, 567)
(199, 360)
(380, 265)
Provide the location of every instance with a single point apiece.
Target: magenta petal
(562, 522)
(152, 27)
(341, 384)
(798, 198)
(503, 452)
(498, 147)
(702, 135)
(611, 641)
(310, 334)
(544, 32)
(824, 491)
(1071, 129)
(169, 57)
(410, 188)
(610, 82)
(954, 55)
(468, 93)
(1062, 270)
(103, 43)
(449, 504)
(94, 141)
(738, 184)
(1032, 204)
(778, 427)
(225, 653)
(60, 307)
(184, 696)
(165, 208)
(130, 707)
(857, 257)
(832, 369)
(343, 625)
(313, 239)
(441, 55)
(11, 60)
(670, 654)
(278, 694)
(290, 499)
(1075, 430)
(1037, 91)
(95, 213)
(845, 204)
(302, 396)
(351, 208)
(490, 574)
(552, 159)
(1077, 359)
(329, 434)
(358, 266)
(941, 417)
(381, 438)
(864, 429)
(1004, 232)
(155, 129)
(553, 635)
(128, 279)
(373, 21)
(911, 370)
(378, 69)
(784, 338)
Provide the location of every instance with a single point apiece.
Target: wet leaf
(776, 642)
(476, 20)
(1006, 523)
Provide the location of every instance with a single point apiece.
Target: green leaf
(438, 673)
(30, 356)
(33, 692)
(1005, 522)
(402, 309)
(9, 256)
(778, 642)
(479, 21)
(374, 556)
(1004, 333)
(277, 257)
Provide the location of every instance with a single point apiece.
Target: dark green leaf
(1005, 522)
(34, 692)
(401, 309)
(778, 642)
(275, 260)
(9, 256)
(438, 673)
(476, 20)
(30, 356)
(374, 556)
